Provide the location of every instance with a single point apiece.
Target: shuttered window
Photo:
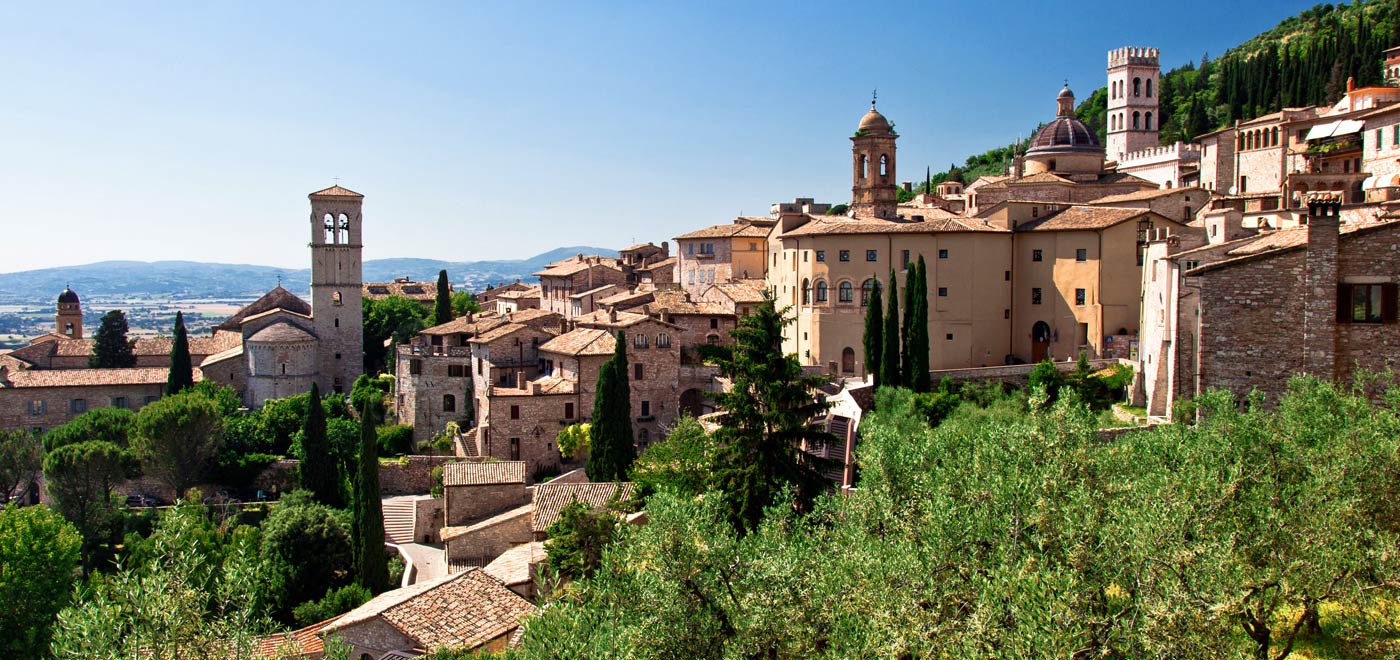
(1366, 303)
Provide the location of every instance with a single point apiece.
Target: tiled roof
(336, 191)
(832, 225)
(1080, 218)
(512, 567)
(483, 473)
(742, 291)
(460, 610)
(582, 341)
(639, 246)
(664, 263)
(728, 230)
(278, 298)
(420, 291)
(530, 292)
(216, 358)
(575, 265)
(1279, 241)
(60, 346)
(551, 498)
(1143, 195)
(592, 292)
(505, 517)
(281, 332)
(463, 324)
(626, 299)
(85, 377)
(498, 332)
(677, 301)
(305, 642)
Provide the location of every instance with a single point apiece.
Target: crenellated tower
(1134, 77)
(336, 280)
(873, 189)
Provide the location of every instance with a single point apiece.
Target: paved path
(428, 558)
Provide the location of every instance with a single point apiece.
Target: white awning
(1335, 129)
(1369, 183)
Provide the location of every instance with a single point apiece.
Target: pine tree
(371, 564)
(768, 409)
(906, 366)
(611, 447)
(874, 331)
(442, 310)
(918, 330)
(889, 356)
(110, 347)
(181, 371)
(319, 468)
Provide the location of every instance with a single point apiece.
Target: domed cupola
(68, 297)
(1065, 144)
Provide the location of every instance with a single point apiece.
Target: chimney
(665, 249)
(1322, 305)
(665, 316)
(469, 317)
(908, 186)
(612, 315)
(1351, 84)
(5, 377)
(534, 387)
(519, 380)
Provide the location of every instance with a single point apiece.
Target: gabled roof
(1280, 241)
(460, 610)
(420, 291)
(728, 230)
(277, 298)
(664, 263)
(582, 341)
(551, 498)
(742, 291)
(678, 301)
(303, 642)
(835, 225)
(483, 474)
(1083, 218)
(281, 332)
(513, 566)
(336, 191)
(1143, 195)
(83, 377)
(575, 265)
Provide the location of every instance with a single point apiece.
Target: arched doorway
(848, 360)
(695, 404)
(1040, 341)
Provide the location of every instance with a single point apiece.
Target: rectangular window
(904, 259)
(872, 255)
(942, 292)
(1395, 137)
(1380, 139)
(36, 407)
(845, 255)
(515, 449)
(1035, 296)
(942, 254)
(949, 336)
(152, 399)
(1037, 255)
(714, 324)
(1008, 275)
(455, 371)
(569, 410)
(637, 371)
(1081, 255)
(804, 256)
(821, 255)
(415, 367)
(1366, 303)
(1244, 185)
(119, 402)
(646, 409)
(1006, 314)
(1079, 296)
(515, 412)
(77, 406)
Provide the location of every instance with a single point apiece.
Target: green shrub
(239, 470)
(437, 481)
(1047, 376)
(334, 603)
(395, 440)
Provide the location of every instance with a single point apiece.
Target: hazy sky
(147, 131)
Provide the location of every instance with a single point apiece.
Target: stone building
(738, 297)
(40, 399)
(1133, 87)
(1179, 204)
(474, 491)
(1250, 312)
(425, 293)
(561, 280)
(433, 375)
(68, 321)
(487, 298)
(513, 301)
(722, 253)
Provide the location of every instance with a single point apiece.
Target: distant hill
(190, 279)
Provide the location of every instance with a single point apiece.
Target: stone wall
(1015, 374)
(56, 407)
(373, 637)
(486, 540)
(463, 504)
(410, 475)
(427, 519)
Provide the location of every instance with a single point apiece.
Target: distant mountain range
(186, 279)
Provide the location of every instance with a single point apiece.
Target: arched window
(848, 360)
(335, 298)
(663, 340)
(1137, 86)
(806, 292)
(1137, 120)
(866, 288)
(328, 224)
(1147, 119)
(1275, 136)
(846, 292)
(884, 165)
(864, 167)
(821, 291)
(449, 403)
(1149, 88)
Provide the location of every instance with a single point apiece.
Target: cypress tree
(874, 330)
(611, 448)
(319, 472)
(906, 366)
(918, 330)
(110, 347)
(442, 308)
(181, 371)
(889, 366)
(371, 564)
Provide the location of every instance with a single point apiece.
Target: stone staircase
(466, 444)
(399, 519)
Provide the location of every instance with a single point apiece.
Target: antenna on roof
(874, 93)
(336, 179)
(279, 279)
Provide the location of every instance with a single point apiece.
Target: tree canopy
(110, 346)
(181, 370)
(611, 447)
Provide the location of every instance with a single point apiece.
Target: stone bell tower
(336, 279)
(873, 189)
(1133, 85)
(68, 319)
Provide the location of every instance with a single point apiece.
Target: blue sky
(489, 130)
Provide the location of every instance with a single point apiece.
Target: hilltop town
(485, 437)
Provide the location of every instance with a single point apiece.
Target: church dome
(1064, 134)
(68, 297)
(874, 122)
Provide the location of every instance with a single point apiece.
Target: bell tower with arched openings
(873, 189)
(1133, 118)
(336, 280)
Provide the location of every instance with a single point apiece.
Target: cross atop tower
(874, 94)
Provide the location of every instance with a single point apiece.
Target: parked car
(139, 500)
(221, 497)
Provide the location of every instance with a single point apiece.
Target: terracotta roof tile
(420, 291)
(513, 566)
(278, 298)
(664, 263)
(281, 332)
(551, 498)
(575, 265)
(483, 473)
(728, 230)
(460, 610)
(335, 191)
(1081, 218)
(743, 291)
(834, 225)
(677, 301)
(304, 642)
(582, 341)
(1143, 195)
(84, 377)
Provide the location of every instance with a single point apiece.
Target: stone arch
(806, 291)
(1137, 120)
(866, 288)
(449, 403)
(1147, 121)
(328, 225)
(1040, 341)
(1137, 86)
(1149, 88)
(695, 403)
(845, 292)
